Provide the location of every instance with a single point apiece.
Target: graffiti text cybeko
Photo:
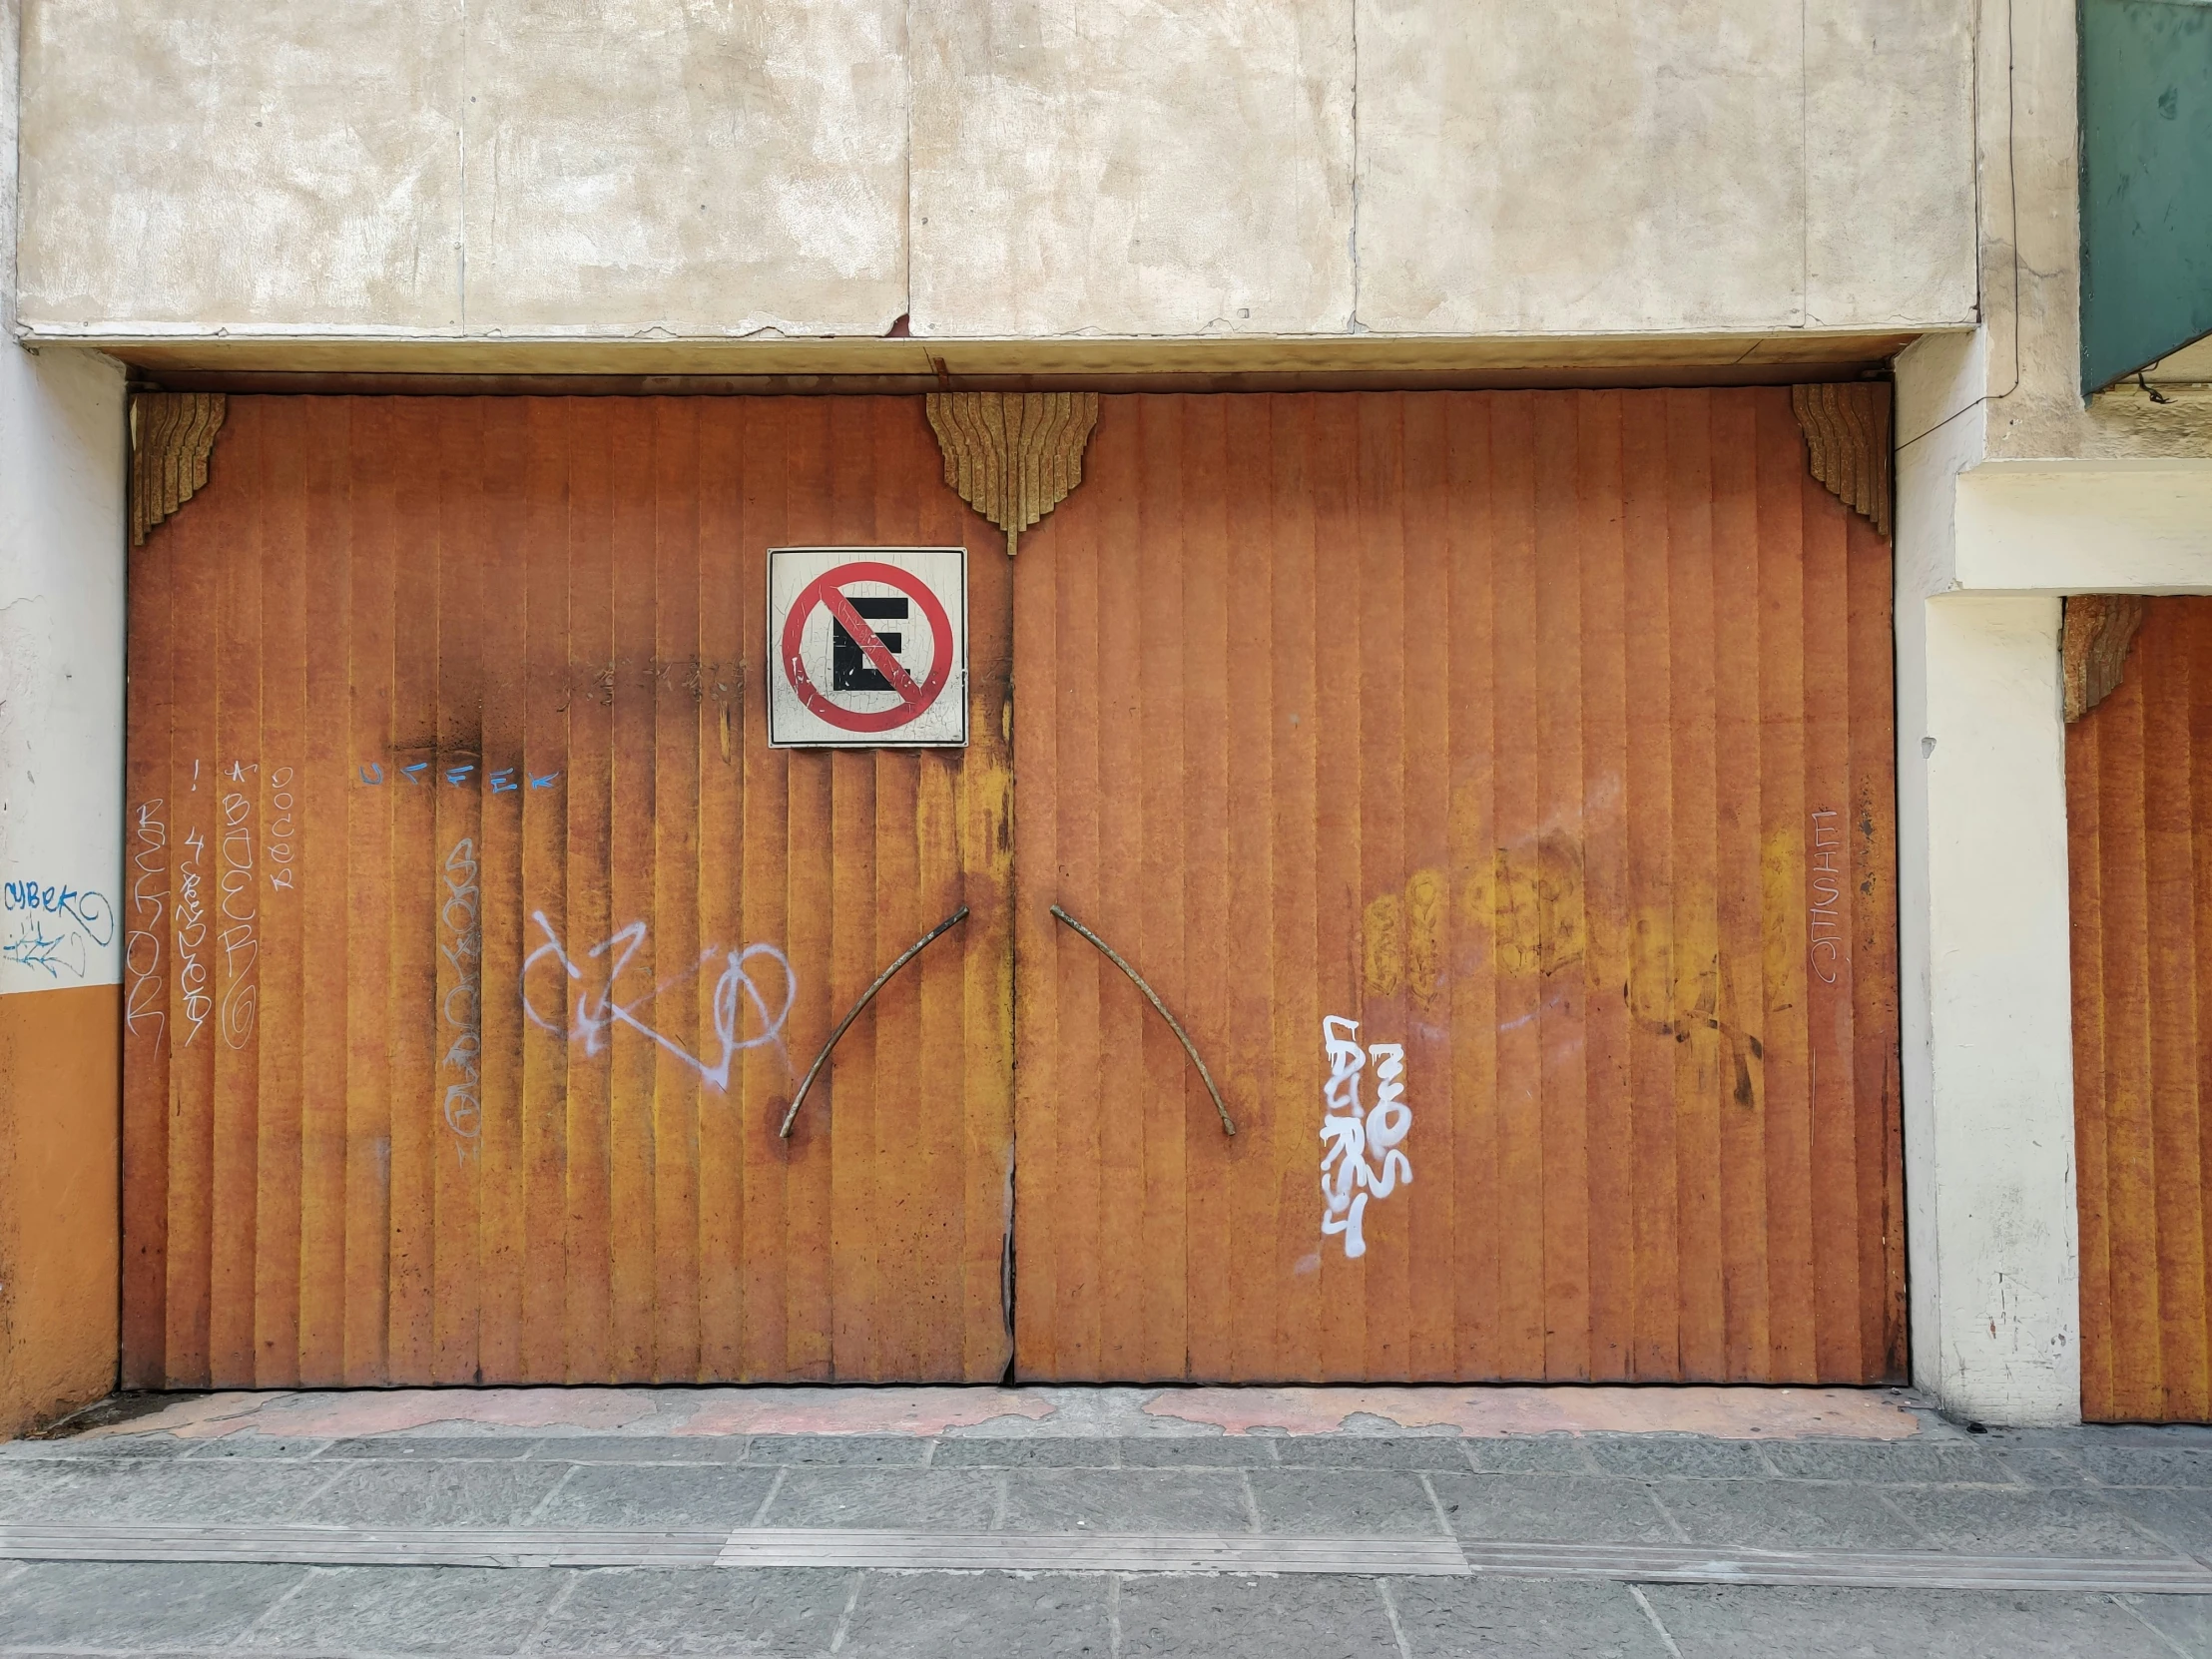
(54, 927)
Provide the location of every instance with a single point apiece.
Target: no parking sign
(868, 647)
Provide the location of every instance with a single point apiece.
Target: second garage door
(1525, 758)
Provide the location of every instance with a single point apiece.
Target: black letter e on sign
(850, 669)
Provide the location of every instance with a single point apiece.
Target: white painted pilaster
(1993, 1271)
(62, 447)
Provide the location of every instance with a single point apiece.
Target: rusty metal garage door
(2141, 867)
(1497, 786)
(1510, 775)
(478, 937)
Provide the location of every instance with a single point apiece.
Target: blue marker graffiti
(53, 927)
(79, 908)
(458, 775)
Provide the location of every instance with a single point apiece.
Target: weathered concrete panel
(1889, 159)
(1546, 168)
(282, 165)
(618, 171)
(699, 169)
(1132, 168)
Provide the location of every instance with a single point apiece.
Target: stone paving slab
(1524, 1616)
(1552, 1509)
(951, 1500)
(1730, 1623)
(1785, 1515)
(655, 1496)
(1051, 1616)
(1254, 1618)
(2185, 1621)
(1913, 1463)
(631, 1613)
(403, 1610)
(1344, 1502)
(1658, 1456)
(425, 1495)
(2182, 1519)
(100, 1490)
(1992, 1522)
(1123, 1500)
(105, 1605)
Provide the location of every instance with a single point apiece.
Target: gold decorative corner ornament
(2094, 642)
(1013, 455)
(1846, 428)
(171, 434)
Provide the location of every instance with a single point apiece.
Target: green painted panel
(2147, 182)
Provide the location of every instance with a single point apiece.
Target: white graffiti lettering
(240, 912)
(284, 875)
(191, 916)
(592, 1017)
(462, 943)
(1824, 915)
(146, 995)
(1349, 1137)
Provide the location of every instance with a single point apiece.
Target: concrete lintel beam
(2084, 526)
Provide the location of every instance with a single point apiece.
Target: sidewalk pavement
(1402, 1523)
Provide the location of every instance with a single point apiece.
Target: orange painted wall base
(60, 1122)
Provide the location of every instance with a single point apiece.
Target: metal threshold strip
(367, 1546)
(904, 1551)
(1243, 1553)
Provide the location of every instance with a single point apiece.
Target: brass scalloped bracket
(172, 435)
(2094, 642)
(1847, 429)
(1012, 455)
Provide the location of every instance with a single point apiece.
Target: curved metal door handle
(1151, 996)
(867, 996)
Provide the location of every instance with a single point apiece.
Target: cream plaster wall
(1124, 167)
(521, 168)
(707, 168)
(281, 164)
(1690, 166)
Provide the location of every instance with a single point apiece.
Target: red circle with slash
(915, 697)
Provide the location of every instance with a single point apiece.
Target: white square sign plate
(868, 647)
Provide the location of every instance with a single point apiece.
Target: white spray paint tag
(1351, 1136)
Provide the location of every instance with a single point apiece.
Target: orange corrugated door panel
(1499, 788)
(2137, 807)
(478, 939)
